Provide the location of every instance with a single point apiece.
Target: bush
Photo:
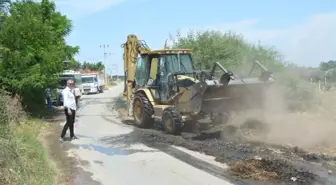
(11, 113)
(22, 157)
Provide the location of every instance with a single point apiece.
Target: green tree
(98, 66)
(331, 64)
(33, 49)
(229, 48)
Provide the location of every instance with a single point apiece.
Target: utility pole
(105, 46)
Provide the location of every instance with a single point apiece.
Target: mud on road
(250, 162)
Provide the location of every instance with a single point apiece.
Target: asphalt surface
(102, 152)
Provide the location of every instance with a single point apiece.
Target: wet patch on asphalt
(111, 151)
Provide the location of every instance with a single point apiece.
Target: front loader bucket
(236, 96)
(224, 94)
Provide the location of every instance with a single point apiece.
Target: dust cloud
(313, 130)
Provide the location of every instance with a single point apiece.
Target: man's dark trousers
(70, 120)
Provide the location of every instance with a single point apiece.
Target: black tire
(220, 118)
(172, 121)
(144, 119)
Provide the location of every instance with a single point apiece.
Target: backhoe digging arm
(132, 48)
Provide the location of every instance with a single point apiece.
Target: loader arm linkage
(132, 48)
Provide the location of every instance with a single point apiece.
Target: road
(116, 163)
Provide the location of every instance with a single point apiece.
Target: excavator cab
(153, 70)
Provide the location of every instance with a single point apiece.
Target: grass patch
(24, 160)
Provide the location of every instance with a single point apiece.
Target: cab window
(141, 74)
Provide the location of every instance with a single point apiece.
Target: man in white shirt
(69, 104)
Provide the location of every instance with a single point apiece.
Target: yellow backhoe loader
(163, 84)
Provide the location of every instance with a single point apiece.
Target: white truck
(93, 83)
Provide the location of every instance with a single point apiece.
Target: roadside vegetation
(33, 50)
(76, 65)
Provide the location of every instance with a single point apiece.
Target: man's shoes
(61, 139)
(73, 138)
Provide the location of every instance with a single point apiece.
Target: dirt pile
(249, 169)
(270, 170)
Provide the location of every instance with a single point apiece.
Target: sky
(303, 31)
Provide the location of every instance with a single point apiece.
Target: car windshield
(88, 79)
